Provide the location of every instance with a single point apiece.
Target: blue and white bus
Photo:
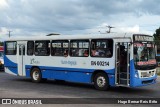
(113, 59)
(158, 52)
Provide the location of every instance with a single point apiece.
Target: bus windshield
(144, 55)
(1, 54)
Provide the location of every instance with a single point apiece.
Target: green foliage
(1, 43)
(157, 36)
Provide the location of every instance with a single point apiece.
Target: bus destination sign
(142, 38)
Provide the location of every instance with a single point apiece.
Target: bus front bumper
(143, 81)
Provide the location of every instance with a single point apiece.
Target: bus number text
(99, 63)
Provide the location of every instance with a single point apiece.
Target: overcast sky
(41, 17)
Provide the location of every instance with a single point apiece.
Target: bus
(157, 52)
(104, 60)
(1, 58)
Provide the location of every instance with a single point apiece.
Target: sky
(41, 17)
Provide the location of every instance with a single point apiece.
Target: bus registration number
(99, 63)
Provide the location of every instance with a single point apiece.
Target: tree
(1, 43)
(157, 42)
(157, 36)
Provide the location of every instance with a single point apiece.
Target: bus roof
(83, 36)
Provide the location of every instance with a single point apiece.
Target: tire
(36, 75)
(44, 79)
(101, 81)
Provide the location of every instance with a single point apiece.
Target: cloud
(134, 29)
(40, 17)
(3, 4)
(3, 30)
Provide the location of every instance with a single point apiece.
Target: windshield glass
(144, 53)
(1, 54)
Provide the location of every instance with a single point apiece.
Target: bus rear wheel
(36, 75)
(101, 81)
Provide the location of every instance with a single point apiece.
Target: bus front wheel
(36, 75)
(101, 81)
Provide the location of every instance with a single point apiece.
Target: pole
(9, 33)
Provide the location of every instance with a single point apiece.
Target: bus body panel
(76, 74)
(68, 74)
(75, 69)
(136, 80)
(11, 64)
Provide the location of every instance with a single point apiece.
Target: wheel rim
(101, 81)
(35, 75)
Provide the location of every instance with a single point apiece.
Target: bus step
(123, 75)
(123, 81)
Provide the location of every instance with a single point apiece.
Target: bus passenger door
(21, 59)
(122, 63)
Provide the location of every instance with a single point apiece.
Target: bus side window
(86, 53)
(79, 48)
(42, 48)
(102, 48)
(59, 48)
(30, 47)
(11, 48)
(65, 52)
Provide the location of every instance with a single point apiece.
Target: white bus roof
(83, 36)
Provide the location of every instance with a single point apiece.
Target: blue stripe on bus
(132, 72)
(10, 65)
(8, 62)
(67, 69)
(69, 74)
